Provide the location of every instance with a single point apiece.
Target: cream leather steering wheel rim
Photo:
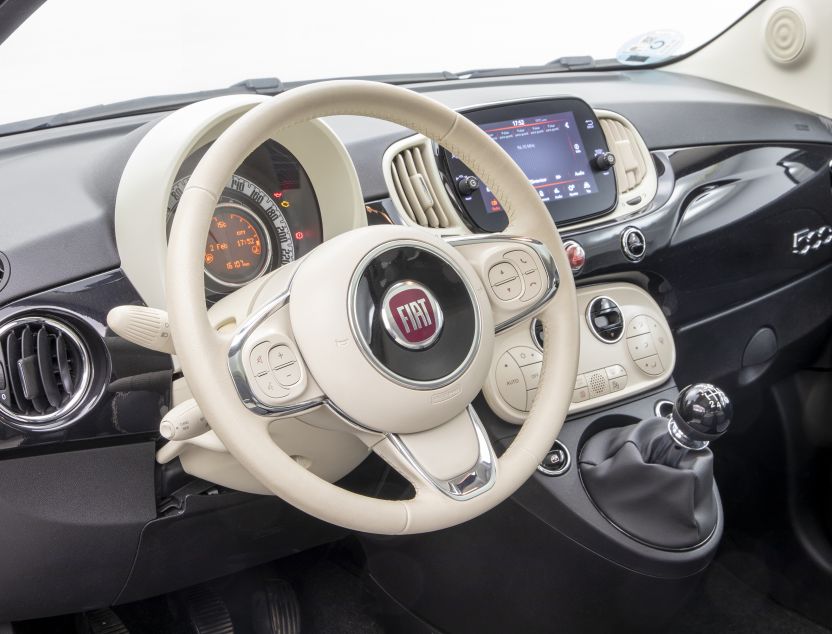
(435, 431)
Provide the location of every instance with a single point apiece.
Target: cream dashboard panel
(642, 358)
(145, 186)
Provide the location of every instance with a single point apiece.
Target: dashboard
(697, 224)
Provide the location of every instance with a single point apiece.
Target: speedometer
(249, 234)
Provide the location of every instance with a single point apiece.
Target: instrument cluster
(267, 216)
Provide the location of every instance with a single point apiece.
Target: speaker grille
(47, 372)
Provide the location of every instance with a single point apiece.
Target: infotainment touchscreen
(555, 142)
(549, 149)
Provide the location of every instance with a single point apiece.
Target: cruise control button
(288, 374)
(531, 374)
(525, 356)
(270, 386)
(508, 290)
(510, 382)
(502, 272)
(280, 356)
(641, 346)
(651, 365)
(259, 358)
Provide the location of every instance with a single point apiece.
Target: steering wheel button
(526, 262)
(533, 285)
(641, 346)
(531, 374)
(270, 387)
(502, 272)
(280, 356)
(525, 356)
(507, 290)
(510, 382)
(259, 358)
(288, 375)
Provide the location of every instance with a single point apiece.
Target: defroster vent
(44, 372)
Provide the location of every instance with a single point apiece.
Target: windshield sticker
(650, 48)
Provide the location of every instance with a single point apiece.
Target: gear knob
(702, 413)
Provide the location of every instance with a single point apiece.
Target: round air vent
(5, 271)
(45, 372)
(605, 319)
(537, 332)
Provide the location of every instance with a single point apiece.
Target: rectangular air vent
(413, 190)
(631, 158)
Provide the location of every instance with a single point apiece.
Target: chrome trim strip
(543, 253)
(365, 347)
(682, 439)
(237, 368)
(657, 408)
(50, 422)
(473, 482)
(592, 326)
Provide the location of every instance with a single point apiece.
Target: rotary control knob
(467, 185)
(702, 413)
(604, 161)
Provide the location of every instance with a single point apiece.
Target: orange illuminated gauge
(238, 248)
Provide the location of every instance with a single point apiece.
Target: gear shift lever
(702, 413)
(654, 479)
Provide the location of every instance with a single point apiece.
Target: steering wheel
(389, 328)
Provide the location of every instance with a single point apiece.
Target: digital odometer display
(555, 142)
(238, 248)
(550, 151)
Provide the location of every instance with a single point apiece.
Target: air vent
(45, 372)
(5, 270)
(631, 157)
(605, 319)
(413, 188)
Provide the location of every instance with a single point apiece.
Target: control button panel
(518, 375)
(600, 382)
(275, 370)
(517, 276)
(648, 344)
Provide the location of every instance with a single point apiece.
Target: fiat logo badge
(411, 315)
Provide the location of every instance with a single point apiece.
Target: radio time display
(550, 151)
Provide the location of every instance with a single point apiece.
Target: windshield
(74, 54)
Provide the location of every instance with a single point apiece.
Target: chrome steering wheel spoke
(455, 459)
(519, 274)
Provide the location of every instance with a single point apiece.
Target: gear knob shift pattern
(702, 413)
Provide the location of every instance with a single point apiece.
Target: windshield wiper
(560, 65)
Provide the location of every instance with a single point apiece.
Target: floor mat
(726, 604)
